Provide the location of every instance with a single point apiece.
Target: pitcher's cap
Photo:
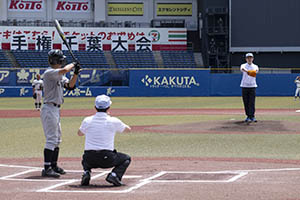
(249, 55)
(102, 102)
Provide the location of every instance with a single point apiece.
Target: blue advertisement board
(153, 83)
(169, 82)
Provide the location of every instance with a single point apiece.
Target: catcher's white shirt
(248, 81)
(100, 130)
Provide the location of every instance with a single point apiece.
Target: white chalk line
(18, 174)
(67, 182)
(232, 179)
(135, 187)
(240, 173)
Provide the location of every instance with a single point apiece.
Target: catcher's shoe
(50, 173)
(85, 179)
(59, 170)
(113, 179)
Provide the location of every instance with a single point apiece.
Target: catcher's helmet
(56, 56)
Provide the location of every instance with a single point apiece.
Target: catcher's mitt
(34, 96)
(252, 73)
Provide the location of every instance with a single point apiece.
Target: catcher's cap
(102, 102)
(249, 55)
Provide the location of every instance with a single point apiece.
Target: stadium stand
(134, 59)
(178, 59)
(89, 59)
(4, 62)
(31, 58)
(97, 59)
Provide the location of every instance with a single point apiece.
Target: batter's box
(201, 177)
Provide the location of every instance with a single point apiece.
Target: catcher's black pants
(106, 159)
(249, 95)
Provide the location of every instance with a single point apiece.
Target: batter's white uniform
(38, 89)
(298, 87)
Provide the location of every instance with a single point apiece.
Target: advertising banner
(4, 76)
(26, 5)
(92, 39)
(174, 9)
(170, 82)
(125, 9)
(154, 83)
(83, 6)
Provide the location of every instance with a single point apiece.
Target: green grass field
(23, 137)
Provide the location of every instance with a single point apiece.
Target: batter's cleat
(50, 173)
(113, 180)
(247, 120)
(59, 170)
(253, 119)
(85, 179)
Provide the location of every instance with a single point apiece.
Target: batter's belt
(54, 104)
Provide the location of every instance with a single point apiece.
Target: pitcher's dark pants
(249, 95)
(106, 159)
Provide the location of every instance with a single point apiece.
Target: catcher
(248, 85)
(297, 81)
(37, 86)
(99, 131)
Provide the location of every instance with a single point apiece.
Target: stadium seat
(134, 59)
(178, 59)
(4, 62)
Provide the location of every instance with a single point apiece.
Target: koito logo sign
(25, 5)
(78, 6)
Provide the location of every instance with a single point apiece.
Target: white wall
(3, 10)
(74, 16)
(21, 14)
(100, 10)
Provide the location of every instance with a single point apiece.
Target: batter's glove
(252, 73)
(34, 96)
(77, 67)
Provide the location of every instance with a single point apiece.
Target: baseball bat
(63, 37)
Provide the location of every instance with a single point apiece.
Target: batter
(54, 83)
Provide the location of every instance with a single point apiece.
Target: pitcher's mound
(271, 127)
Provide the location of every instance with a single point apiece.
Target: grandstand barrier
(154, 82)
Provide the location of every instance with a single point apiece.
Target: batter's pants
(50, 116)
(106, 159)
(249, 95)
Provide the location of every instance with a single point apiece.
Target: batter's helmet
(56, 56)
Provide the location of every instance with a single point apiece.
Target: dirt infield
(156, 178)
(168, 178)
(225, 127)
(147, 112)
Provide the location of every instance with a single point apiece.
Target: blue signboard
(169, 82)
(152, 83)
